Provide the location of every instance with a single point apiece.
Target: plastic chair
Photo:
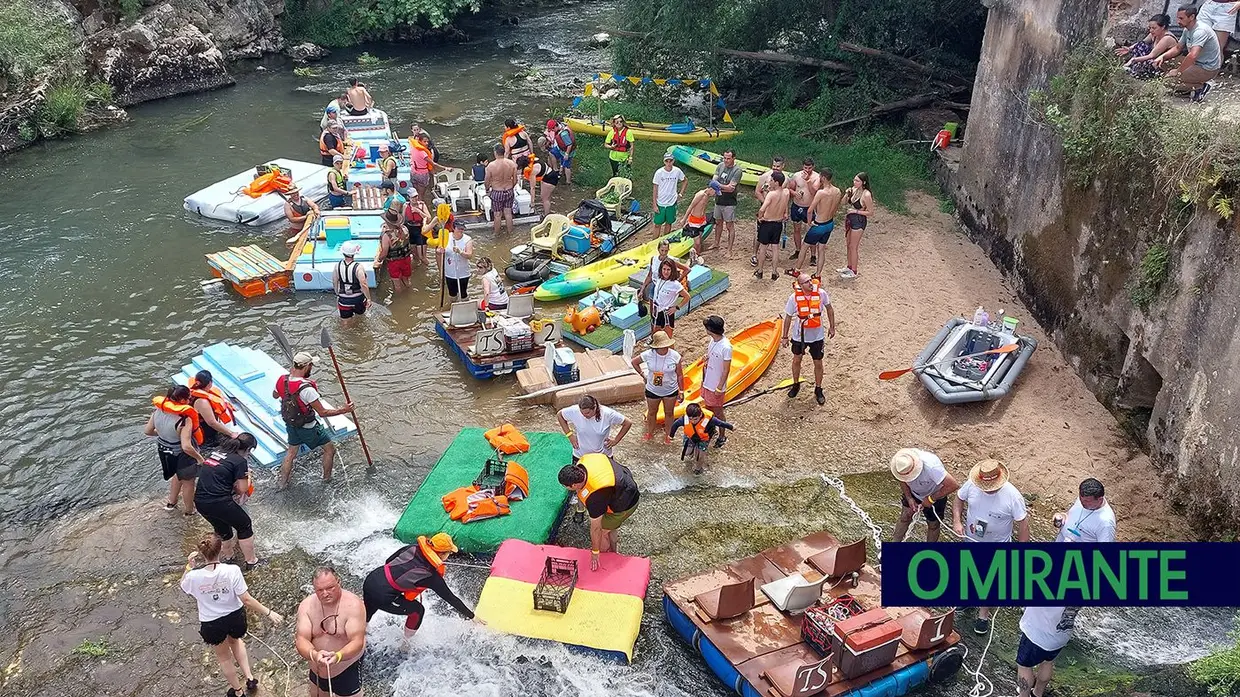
(793, 594)
(619, 186)
(841, 560)
(449, 175)
(460, 194)
(545, 236)
(728, 601)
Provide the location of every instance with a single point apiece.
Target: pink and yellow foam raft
(605, 612)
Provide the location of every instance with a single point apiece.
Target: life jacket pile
(471, 503)
(507, 440)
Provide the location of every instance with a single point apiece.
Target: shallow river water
(100, 271)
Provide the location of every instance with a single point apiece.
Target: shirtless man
(501, 181)
(760, 191)
(359, 98)
(771, 217)
(694, 221)
(822, 212)
(804, 185)
(331, 635)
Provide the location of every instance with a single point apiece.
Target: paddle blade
(281, 340)
(325, 338)
(784, 384)
(893, 374)
(1005, 349)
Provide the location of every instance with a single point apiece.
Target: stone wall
(1169, 373)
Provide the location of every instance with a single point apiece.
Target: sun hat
(293, 190)
(301, 359)
(350, 249)
(906, 464)
(337, 158)
(989, 475)
(661, 340)
(442, 542)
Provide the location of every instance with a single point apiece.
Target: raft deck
(460, 341)
(610, 337)
(746, 651)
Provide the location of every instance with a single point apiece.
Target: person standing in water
(516, 140)
(562, 145)
(394, 586)
(417, 219)
(608, 492)
(822, 211)
(537, 172)
(455, 262)
(771, 218)
(350, 283)
(588, 424)
(178, 431)
(339, 195)
(501, 183)
(297, 208)
(860, 207)
(222, 596)
(388, 164)
(331, 635)
(699, 426)
(300, 405)
(395, 250)
(223, 482)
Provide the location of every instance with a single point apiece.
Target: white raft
(223, 200)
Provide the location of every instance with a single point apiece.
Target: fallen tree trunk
(763, 56)
(882, 109)
(899, 60)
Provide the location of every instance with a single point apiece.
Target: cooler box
(564, 369)
(337, 230)
(576, 240)
(624, 294)
(698, 276)
(625, 316)
(864, 643)
(599, 298)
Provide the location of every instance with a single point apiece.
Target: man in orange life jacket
(215, 410)
(394, 587)
(610, 495)
(178, 430)
(803, 312)
(299, 404)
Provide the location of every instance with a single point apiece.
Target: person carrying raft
(516, 140)
(608, 492)
(395, 586)
(699, 427)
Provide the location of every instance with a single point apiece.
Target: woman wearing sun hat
(664, 374)
(995, 509)
(925, 485)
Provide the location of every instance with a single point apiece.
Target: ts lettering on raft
(1053, 574)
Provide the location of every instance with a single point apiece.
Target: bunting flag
(589, 89)
(727, 117)
(704, 83)
(577, 102)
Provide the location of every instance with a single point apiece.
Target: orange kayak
(753, 349)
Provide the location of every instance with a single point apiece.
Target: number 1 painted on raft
(938, 630)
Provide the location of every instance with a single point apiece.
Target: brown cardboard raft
(590, 364)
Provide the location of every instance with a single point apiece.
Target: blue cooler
(576, 240)
(564, 367)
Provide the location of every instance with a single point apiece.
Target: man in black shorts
(803, 315)
(925, 485)
(610, 495)
(1044, 631)
(771, 218)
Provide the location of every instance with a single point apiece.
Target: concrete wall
(1169, 374)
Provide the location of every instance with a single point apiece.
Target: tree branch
(763, 56)
(891, 107)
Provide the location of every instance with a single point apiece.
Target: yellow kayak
(662, 132)
(705, 161)
(607, 272)
(753, 349)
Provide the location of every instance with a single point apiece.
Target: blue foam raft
(248, 376)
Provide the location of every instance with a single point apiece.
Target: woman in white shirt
(664, 374)
(494, 297)
(454, 260)
(222, 598)
(667, 296)
(588, 426)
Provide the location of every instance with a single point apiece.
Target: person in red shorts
(718, 365)
(395, 252)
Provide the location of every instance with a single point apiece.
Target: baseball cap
(331, 109)
(442, 542)
(551, 123)
(337, 158)
(668, 156)
(301, 358)
(350, 249)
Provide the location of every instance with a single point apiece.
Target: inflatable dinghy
(224, 200)
(955, 380)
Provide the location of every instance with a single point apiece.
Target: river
(101, 304)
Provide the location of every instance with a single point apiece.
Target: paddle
(893, 374)
(282, 340)
(325, 340)
(782, 385)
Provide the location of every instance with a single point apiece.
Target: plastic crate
(521, 343)
(564, 377)
(492, 476)
(818, 622)
(555, 585)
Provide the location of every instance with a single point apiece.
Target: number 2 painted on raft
(550, 333)
(812, 679)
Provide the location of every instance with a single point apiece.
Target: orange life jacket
(417, 145)
(467, 504)
(809, 307)
(220, 406)
(525, 173)
(516, 482)
(267, 183)
(512, 132)
(698, 429)
(322, 145)
(185, 411)
(507, 440)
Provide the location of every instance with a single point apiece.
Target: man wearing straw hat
(924, 485)
(995, 509)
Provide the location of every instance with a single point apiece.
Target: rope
(288, 667)
(875, 531)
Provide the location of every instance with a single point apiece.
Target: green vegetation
(1154, 268)
(92, 649)
(66, 103)
(368, 61)
(336, 23)
(130, 9)
(31, 37)
(1220, 671)
(307, 71)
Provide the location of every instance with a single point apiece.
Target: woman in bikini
(861, 205)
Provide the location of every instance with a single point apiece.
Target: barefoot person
(417, 220)
(394, 586)
(669, 187)
(339, 195)
(300, 405)
(725, 181)
(822, 211)
(610, 495)
(996, 509)
(803, 314)
(177, 429)
(664, 375)
(803, 186)
(718, 367)
(223, 482)
(331, 635)
(924, 485)
(501, 182)
(359, 99)
(699, 427)
(494, 297)
(860, 207)
(771, 218)
(761, 189)
(694, 221)
(223, 596)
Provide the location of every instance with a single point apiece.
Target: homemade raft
(247, 376)
(495, 343)
(602, 610)
(978, 379)
(834, 639)
(224, 200)
(534, 519)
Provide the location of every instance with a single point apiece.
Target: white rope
(875, 531)
(288, 667)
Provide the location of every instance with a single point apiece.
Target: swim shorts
(819, 233)
(312, 436)
(420, 180)
(724, 213)
(551, 178)
(349, 682)
(501, 198)
(939, 507)
(815, 349)
(566, 162)
(400, 267)
(694, 231)
(233, 625)
(666, 215)
(798, 214)
(350, 306)
(1030, 655)
(712, 399)
(769, 231)
(339, 201)
(612, 521)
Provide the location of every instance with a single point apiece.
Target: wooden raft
(252, 271)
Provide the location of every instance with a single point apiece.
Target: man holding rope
(925, 485)
(331, 635)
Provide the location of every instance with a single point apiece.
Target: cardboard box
(592, 363)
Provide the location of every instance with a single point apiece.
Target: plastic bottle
(979, 316)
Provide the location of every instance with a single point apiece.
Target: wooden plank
(259, 257)
(229, 267)
(243, 263)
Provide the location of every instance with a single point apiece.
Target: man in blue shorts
(561, 143)
(803, 185)
(822, 212)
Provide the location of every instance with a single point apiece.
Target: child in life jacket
(698, 426)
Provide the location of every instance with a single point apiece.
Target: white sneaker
(848, 273)
(841, 270)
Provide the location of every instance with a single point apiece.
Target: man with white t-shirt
(1090, 519)
(995, 510)
(925, 485)
(718, 366)
(803, 315)
(666, 194)
(588, 426)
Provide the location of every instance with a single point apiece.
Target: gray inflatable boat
(955, 380)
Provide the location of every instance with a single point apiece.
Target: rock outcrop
(307, 52)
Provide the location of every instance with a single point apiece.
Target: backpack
(593, 213)
(296, 413)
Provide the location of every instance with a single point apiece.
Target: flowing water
(100, 271)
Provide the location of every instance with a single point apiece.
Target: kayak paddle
(282, 340)
(893, 374)
(782, 385)
(325, 340)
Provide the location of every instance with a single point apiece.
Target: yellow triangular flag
(589, 88)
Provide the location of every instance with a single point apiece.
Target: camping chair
(793, 594)
(460, 194)
(545, 236)
(727, 601)
(447, 176)
(620, 188)
(841, 560)
(521, 306)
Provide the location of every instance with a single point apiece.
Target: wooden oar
(325, 340)
(893, 374)
(782, 385)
